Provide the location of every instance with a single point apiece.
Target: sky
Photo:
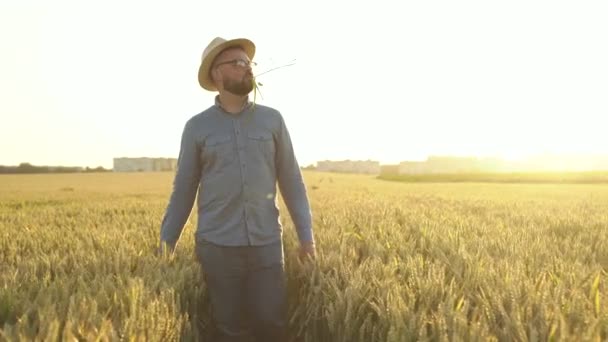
(82, 82)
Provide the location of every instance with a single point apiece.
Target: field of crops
(396, 261)
(588, 177)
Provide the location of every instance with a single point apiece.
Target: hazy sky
(82, 82)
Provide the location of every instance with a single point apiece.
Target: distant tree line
(29, 168)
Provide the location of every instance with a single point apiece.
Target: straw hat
(214, 48)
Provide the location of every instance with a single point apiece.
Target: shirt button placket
(241, 157)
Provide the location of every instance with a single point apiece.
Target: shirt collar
(246, 105)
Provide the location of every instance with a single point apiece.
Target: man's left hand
(307, 250)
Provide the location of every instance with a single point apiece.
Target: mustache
(247, 78)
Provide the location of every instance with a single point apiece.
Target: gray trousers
(247, 289)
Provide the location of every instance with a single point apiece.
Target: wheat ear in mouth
(257, 85)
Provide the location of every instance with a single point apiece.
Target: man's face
(236, 74)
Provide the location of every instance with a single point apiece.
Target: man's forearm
(296, 200)
(178, 211)
(185, 187)
(292, 185)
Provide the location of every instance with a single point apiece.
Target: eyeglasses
(242, 63)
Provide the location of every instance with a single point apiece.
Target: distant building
(144, 164)
(438, 164)
(350, 166)
(413, 167)
(389, 169)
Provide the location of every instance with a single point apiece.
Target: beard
(239, 87)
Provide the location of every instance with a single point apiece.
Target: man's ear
(216, 75)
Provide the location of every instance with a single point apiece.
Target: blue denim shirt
(235, 161)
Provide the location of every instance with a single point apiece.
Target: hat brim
(204, 78)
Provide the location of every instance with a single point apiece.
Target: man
(234, 153)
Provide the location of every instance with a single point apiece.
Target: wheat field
(396, 262)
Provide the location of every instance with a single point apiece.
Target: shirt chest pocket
(218, 151)
(261, 143)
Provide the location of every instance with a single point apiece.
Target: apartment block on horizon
(144, 164)
(437, 164)
(350, 166)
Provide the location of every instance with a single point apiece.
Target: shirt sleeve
(185, 187)
(291, 185)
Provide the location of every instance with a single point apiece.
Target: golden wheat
(397, 262)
